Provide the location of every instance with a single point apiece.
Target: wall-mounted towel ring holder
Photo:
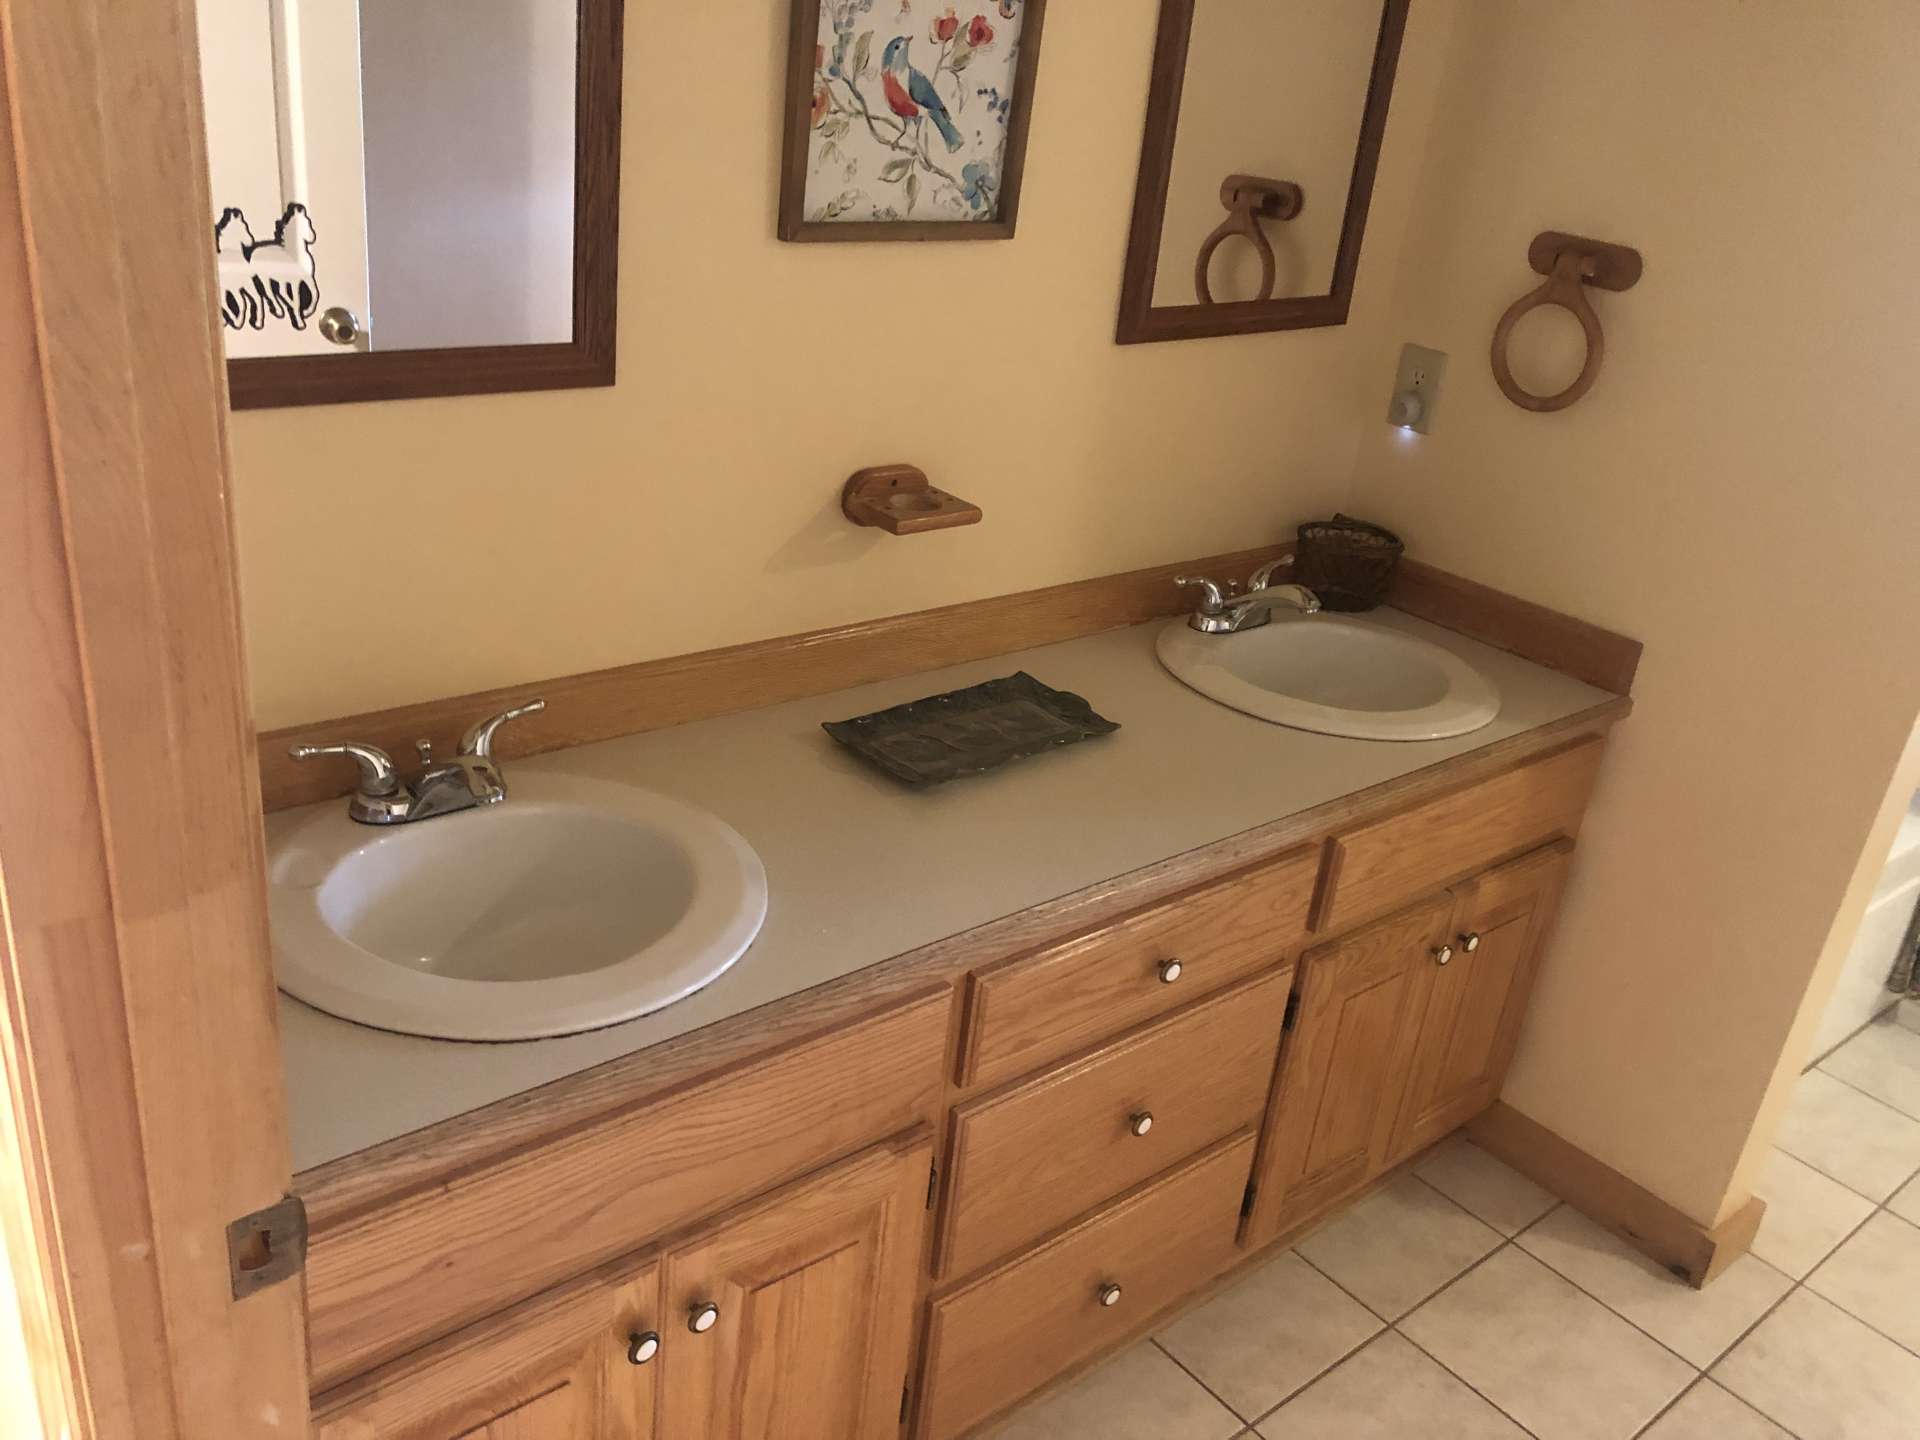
(1570, 263)
(1249, 200)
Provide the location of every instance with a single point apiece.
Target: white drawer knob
(1442, 954)
(1470, 942)
(642, 1347)
(1140, 1123)
(1170, 971)
(1109, 1295)
(703, 1317)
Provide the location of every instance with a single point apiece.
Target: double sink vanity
(932, 1097)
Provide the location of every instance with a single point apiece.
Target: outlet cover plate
(1421, 371)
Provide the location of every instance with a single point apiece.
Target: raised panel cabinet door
(792, 1317)
(1343, 1066)
(579, 1363)
(1478, 998)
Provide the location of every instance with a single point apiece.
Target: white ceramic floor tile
(1698, 1324)
(1875, 1277)
(1553, 1358)
(1490, 1189)
(1706, 1412)
(1398, 1246)
(1884, 1061)
(1137, 1395)
(1864, 1144)
(1907, 1203)
(1824, 1375)
(1808, 1214)
(1388, 1391)
(1257, 1342)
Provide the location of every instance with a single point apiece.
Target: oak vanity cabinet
(1402, 1032)
(1477, 998)
(789, 1318)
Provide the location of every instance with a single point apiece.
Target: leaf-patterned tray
(964, 732)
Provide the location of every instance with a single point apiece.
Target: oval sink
(1336, 675)
(571, 905)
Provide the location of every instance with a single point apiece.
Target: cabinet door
(792, 1317)
(560, 1367)
(1478, 997)
(1343, 1066)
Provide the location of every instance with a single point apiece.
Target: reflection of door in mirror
(281, 80)
(391, 175)
(1275, 89)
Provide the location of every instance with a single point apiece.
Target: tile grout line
(1179, 1364)
(1799, 1283)
(1880, 1100)
(1394, 1325)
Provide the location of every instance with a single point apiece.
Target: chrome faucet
(471, 778)
(1226, 612)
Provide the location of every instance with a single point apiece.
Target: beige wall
(402, 551)
(1738, 492)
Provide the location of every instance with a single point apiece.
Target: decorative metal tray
(965, 732)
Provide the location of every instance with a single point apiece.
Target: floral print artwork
(910, 106)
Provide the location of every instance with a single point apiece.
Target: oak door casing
(1476, 1002)
(555, 1368)
(815, 1289)
(1344, 1065)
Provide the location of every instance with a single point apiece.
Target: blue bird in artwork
(910, 94)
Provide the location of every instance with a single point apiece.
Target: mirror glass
(391, 175)
(1275, 90)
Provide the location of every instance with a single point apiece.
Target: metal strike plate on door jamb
(267, 1246)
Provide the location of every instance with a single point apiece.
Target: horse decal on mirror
(262, 280)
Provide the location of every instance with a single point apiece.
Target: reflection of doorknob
(340, 325)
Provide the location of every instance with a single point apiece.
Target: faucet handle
(1212, 600)
(478, 741)
(377, 775)
(1263, 577)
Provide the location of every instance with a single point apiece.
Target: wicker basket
(1346, 562)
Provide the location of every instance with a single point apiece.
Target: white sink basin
(1334, 674)
(571, 905)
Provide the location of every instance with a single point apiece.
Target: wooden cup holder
(899, 500)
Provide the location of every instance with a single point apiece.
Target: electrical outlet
(1416, 388)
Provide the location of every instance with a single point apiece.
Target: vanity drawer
(1012, 1330)
(1375, 867)
(1030, 1158)
(1030, 1009)
(382, 1283)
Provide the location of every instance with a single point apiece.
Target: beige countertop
(1182, 772)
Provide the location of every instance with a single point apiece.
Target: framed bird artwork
(907, 119)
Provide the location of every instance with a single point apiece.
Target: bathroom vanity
(1154, 1003)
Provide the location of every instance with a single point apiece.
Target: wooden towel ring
(1570, 263)
(1249, 199)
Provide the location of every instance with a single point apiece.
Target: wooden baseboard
(654, 694)
(1690, 1250)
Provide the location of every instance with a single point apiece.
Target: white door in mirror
(1336, 675)
(572, 905)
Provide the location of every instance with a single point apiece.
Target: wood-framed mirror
(1264, 124)
(413, 197)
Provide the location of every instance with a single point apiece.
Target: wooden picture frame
(802, 68)
(1140, 319)
(585, 360)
